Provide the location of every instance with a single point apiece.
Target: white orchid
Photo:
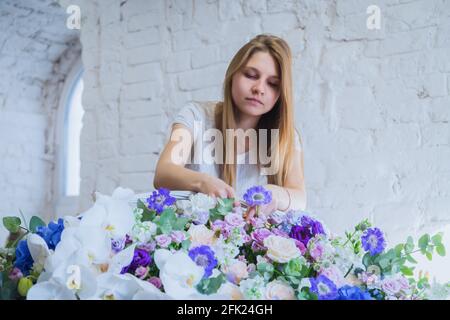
(179, 282)
(38, 249)
(126, 287)
(113, 214)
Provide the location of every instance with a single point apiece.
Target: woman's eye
(250, 76)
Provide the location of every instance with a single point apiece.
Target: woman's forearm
(169, 175)
(298, 197)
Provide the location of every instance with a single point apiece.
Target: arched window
(68, 133)
(72, 133)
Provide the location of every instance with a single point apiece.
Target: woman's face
(259, 80)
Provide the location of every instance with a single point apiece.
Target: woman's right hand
(216, 187)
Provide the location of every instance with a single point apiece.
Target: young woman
(257, 95)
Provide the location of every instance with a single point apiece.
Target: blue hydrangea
(24, 261)
(52, 233)
(324, 288)
(160, 199)
(353, 293)
(373, 241)
(204, 257)
(257, 195)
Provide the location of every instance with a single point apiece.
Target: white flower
(38, 249)
(113, 214)
(237, 270)
(253, 289)
(281, 249)
(126, 287)
(198, 203)
(230, 291)
(279, 290)
(178, 273)
(143, 231)
(225, 252)
(201, 235)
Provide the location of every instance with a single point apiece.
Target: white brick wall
(35, 52)
(373, 105)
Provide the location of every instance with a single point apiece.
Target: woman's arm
(170, 172)
(295, 184)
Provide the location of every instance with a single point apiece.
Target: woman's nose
(259, 87)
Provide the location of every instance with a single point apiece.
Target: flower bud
(24, 285)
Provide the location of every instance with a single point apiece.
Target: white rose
(231, 291)
(279, 290)
(238, 270)
(281, 249)
(201, 235)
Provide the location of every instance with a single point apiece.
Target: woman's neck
(246, 122)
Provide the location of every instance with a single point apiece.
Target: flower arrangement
(206, 248)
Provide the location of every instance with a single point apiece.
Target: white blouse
(247, 175)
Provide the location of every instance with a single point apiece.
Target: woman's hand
(264, 210)
(216, 187)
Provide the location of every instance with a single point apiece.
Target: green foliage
(210, 285)
(12, 224)
(223, 207)
(147, 214)
(36, 222)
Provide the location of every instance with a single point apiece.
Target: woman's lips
(254, 101)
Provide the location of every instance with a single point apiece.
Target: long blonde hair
(280, 117)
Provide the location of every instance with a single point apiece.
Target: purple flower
(52, 233)
(324, 288)
(301, 234)
(234, 220)
(141, 272)
(149, 247)
(260, 234)
(117, 244)
(218, 225)
(24, 261)
(353, 293)
(163, 240)
(156, 282)
(178, 236)
(373, 241)
(256, 196)
(308, 229)
(160, 199)
(140, 258)
(15, 274)
(316, 226)
(203, 256)
(200, 217)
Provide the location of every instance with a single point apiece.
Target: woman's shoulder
(204, 109)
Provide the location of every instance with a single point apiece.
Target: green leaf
(367, 260)
(147, 215)
(186, 244)
(398, 249)
(210, 285)
(12, 224)
(410, 259)
(407, 271)
(180, 223)
(429, 255)
(36, 222)
(440, 249)
(437, 239)
(167, 220)
(423, 241)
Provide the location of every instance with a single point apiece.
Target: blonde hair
(280, 117)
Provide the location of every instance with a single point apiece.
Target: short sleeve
(297, 143)
(187, 115)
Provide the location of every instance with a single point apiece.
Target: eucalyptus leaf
(423, 241)
(12, 224)
(36, 222)
(440, 249)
